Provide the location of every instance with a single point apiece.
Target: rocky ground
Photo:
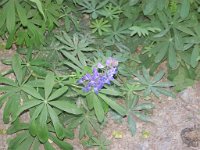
(174, 126)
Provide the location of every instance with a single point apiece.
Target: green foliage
(141, 35)
(153, 85)
(100, 26)
(26, 22)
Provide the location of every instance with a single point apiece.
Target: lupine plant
(101, 62)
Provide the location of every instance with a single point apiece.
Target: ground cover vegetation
(79, 60)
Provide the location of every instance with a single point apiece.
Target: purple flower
(111, 62)
(100, 66)
(97, 80)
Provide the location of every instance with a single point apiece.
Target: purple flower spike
(97, 80)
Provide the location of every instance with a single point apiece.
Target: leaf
(17, 140)
(39, 6)
(72, 58)
(131, 125)
(111, 91)
(165, 92)
(133, 2)
(21, 13)
(67, 107)
(56, 123)
(58, 93)
(144, 106)
(33, 124)
(31, 91)
(98, 108)
(10, 15)
(27, 105)
(4, 80)
(194, 56)
(162, 52)
(10, 39)
(185, 29)
(172, 57)
(16, 127)
(142, 116)
(59, 1)
(42, 126)
(89, 99)
(178, 40)
(26, 144)
(149, 7)
(113, 104)
(17, 67)
(61, 144)
(48, 146)
(185, 8)
(48, 84)
(158, 77)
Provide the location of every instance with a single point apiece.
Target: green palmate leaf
(98, 107)
(58, 93)
(172, 57)
(113, 104)
(185, 8)
(48, 84)
(61, 144)
(56, 123)
(10, 15)
(31, 91)
(39, 6)
(16, 65)
(21, 13)
(194, 56)
(42, 126)
(131, 125)
(27, 105)
(66, 106)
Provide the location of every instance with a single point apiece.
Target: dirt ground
(169, 118)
